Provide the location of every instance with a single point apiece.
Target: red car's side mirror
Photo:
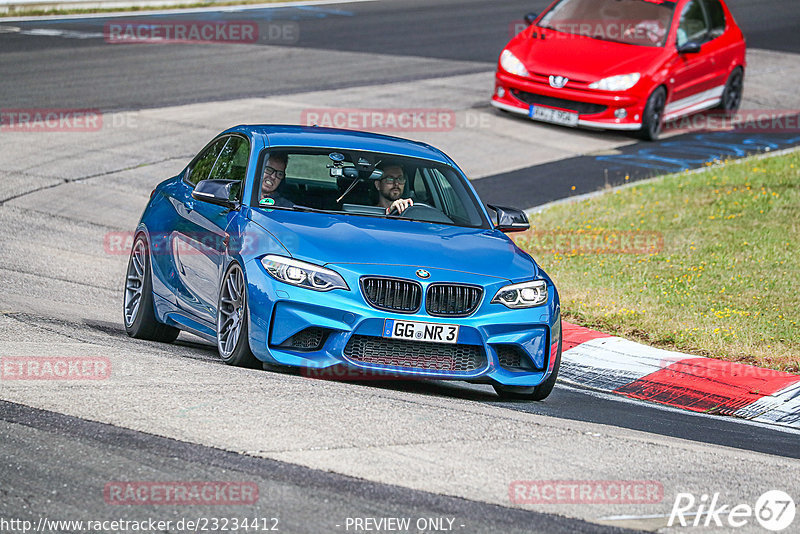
(692, 47)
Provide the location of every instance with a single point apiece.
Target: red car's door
(695, 76)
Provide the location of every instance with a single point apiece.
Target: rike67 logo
(774, 510)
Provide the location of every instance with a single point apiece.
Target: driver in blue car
(390, 188)
(274, 173)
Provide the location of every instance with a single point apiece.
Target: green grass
(28, 12)
(726, 283)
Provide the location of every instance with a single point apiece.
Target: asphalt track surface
(79, 72)
(301, 499)
(54, 71)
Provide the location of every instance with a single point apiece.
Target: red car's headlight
(511, 64)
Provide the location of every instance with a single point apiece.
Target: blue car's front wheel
(536, 393)
(232, 331)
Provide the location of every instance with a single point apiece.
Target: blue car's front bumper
(281, 316)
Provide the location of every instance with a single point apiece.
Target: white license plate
(556, 116)
(437, 333)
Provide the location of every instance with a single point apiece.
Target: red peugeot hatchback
(623, 64)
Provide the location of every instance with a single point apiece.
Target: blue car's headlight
(523, 295)
(302, 274)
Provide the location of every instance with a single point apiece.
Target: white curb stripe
(611, 362)
(781, 408)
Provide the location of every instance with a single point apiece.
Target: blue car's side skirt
(167, 314)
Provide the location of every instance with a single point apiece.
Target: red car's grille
(582, 108)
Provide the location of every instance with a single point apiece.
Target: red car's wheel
(653, 116)
(732, 95)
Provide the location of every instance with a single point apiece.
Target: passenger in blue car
(390, 188)
(274, 173)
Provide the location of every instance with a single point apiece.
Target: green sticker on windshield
(266, 202)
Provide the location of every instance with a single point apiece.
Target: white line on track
(181, 11)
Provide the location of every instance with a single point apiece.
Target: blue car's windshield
(635, 22)
(364, 183)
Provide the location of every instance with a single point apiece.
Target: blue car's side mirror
(219, 192)
(510, 219)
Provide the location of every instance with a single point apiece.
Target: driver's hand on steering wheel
(400, 205)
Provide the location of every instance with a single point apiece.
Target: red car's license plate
(555, 116)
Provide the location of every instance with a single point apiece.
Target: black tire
(239, 354)
(732, 94)
(141, 322)
(653, 116)
(533, 393)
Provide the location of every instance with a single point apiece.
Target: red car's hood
(583, 58)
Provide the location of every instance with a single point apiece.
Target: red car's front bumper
(596, 109)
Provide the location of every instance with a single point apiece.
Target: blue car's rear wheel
(232, 332)
(138, 311)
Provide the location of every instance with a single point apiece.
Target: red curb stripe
(708, 385)
(573, 335)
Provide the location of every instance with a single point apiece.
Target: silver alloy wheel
(231, 311)
(134, 282)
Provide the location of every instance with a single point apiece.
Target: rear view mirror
(353, 173)
(510, 219)
(529, 18)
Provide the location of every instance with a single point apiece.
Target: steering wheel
(423, 212)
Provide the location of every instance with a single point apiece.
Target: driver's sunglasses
(392, 180)
(280, 175)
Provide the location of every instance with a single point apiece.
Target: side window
(203, 165)
(450, 201)
(693, 25)
(716, 16)
(232, 163)
(420, 189)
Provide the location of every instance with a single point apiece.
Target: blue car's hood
(342, 239)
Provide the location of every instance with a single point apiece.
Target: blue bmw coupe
(307, 247)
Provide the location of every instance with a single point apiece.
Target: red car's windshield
(635, 22)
